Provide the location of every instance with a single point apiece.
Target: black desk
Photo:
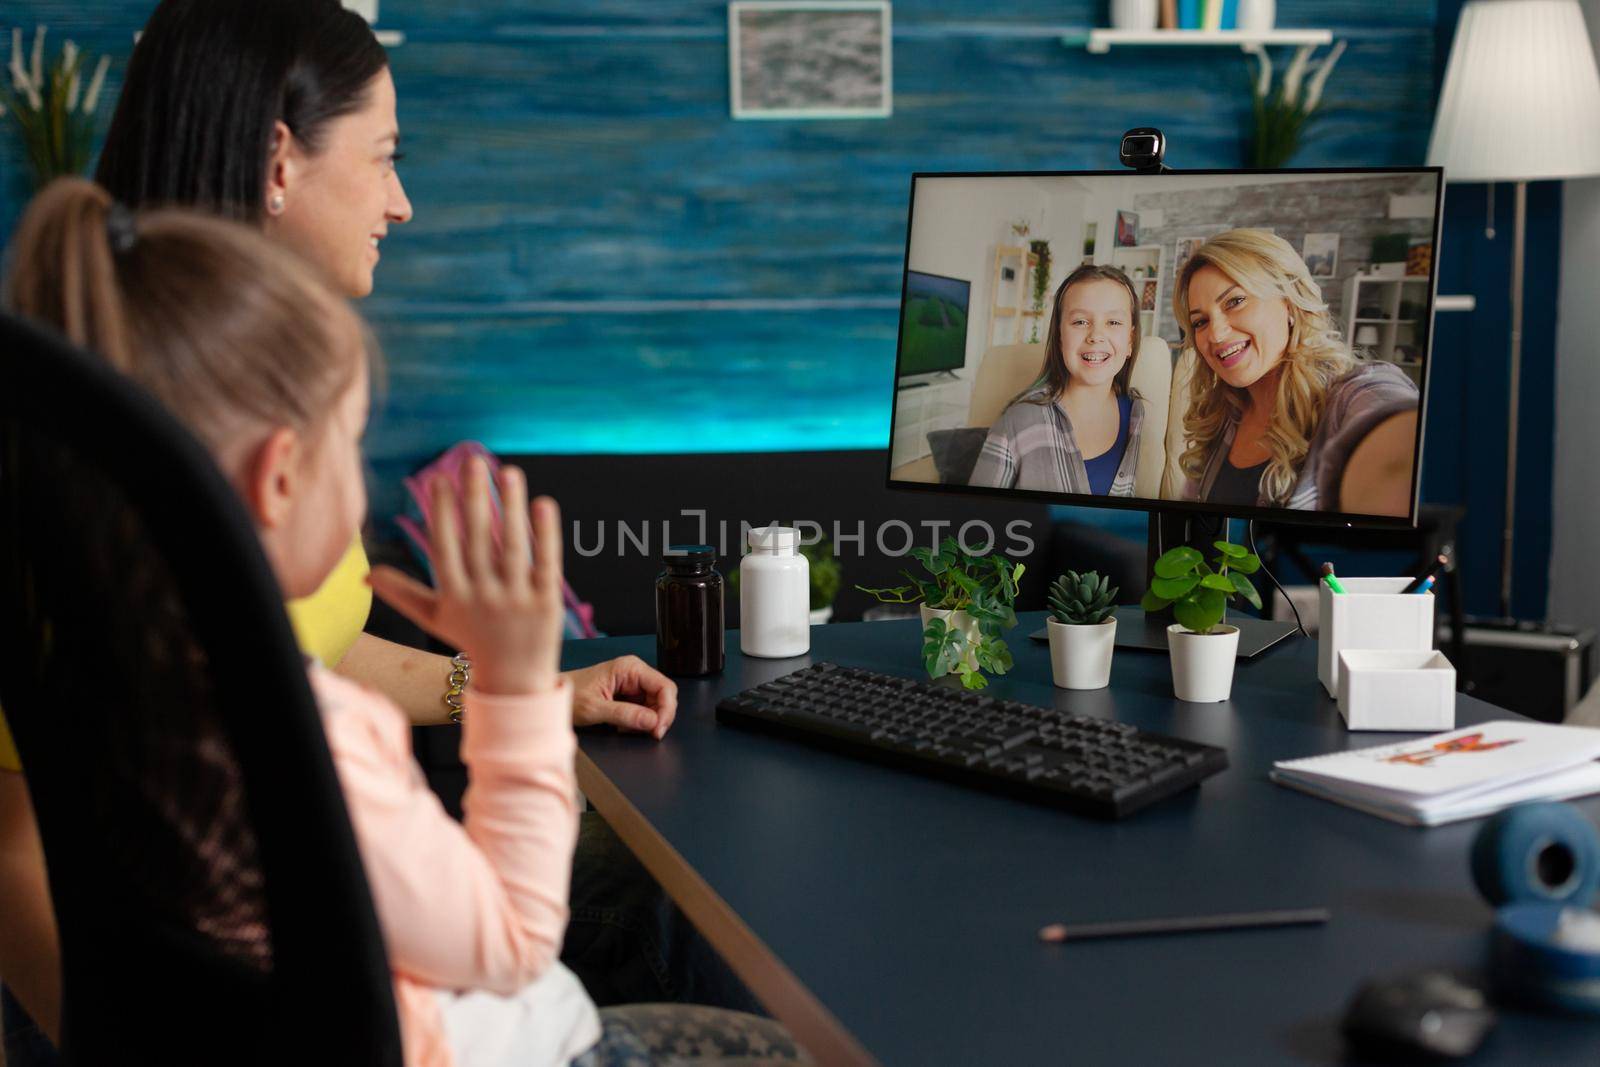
(904, 909)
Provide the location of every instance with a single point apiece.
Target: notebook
(1460, 774)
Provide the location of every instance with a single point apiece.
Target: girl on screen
(1281, 413)
(1076, 429)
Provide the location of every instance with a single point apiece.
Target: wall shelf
(1100, 41)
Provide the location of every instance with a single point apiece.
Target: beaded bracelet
(460, 668)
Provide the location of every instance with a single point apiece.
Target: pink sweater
(474, 906)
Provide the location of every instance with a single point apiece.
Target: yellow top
(326, 623)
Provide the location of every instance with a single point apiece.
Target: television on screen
(933, 324)
(1245, 355)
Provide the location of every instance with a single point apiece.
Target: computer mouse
(1432, 1012)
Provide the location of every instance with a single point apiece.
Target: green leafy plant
(1197, 592)
(1280, 117)
(1086, 599)
(826, 573)
(982, 586)
(51, 108)
(1041, 283)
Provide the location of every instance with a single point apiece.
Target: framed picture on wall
(1185, 249)
(1127, 229)
(801, 59)
(1321, 253)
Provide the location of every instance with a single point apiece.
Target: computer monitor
(933, 324)
(1252, 344)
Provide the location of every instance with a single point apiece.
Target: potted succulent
(967, 602)
(1201, 644)
(1082, 629)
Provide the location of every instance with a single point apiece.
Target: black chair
(211, 901)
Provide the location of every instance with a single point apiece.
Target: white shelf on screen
(1101, 41)
(390, 38)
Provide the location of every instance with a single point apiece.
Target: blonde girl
(269, 369)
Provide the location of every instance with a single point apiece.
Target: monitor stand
(1168, 529)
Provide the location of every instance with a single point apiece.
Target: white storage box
(1370, 613)
(1396, 690)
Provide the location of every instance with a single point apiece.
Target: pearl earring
(275, 205)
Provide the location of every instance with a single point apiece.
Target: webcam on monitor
(1143, 149)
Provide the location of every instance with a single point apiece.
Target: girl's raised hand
(500, 604)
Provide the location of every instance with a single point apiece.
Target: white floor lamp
(1521, 103)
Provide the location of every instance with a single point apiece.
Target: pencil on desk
(1056, 933)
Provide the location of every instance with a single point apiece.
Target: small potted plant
(1202, 646)
(1082, 629)
(825, 576)
(967, 602)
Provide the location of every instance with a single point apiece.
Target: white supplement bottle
(774, 595)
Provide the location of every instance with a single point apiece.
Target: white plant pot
(1202, 664)
(1257, 16)
(1080, 656)
(961, 621)
(819, 616)
(1135, 14)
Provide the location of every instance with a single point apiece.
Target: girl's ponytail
(229, 330)
(64, 268)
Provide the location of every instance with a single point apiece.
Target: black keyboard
(1095, 766)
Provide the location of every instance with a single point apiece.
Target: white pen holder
(1370, 613)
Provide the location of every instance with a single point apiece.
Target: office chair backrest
(1172, 478)
(210, 898)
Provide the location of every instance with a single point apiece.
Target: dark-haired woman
(281, 113)
(1076, 429)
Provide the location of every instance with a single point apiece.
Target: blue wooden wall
(603, 261)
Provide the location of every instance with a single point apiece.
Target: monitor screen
(933, 324)
(1249, 343)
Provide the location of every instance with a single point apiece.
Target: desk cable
(1250, 528)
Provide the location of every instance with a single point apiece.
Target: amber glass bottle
(689, 612)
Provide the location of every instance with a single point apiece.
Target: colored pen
(1426, 585)
(1328, 576)
(1438, 564)
(1056, 933)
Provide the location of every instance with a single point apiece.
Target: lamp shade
(1366, 336)
(1521, 98)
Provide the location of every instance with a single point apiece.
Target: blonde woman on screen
(1281, 413)
(1076, 428)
